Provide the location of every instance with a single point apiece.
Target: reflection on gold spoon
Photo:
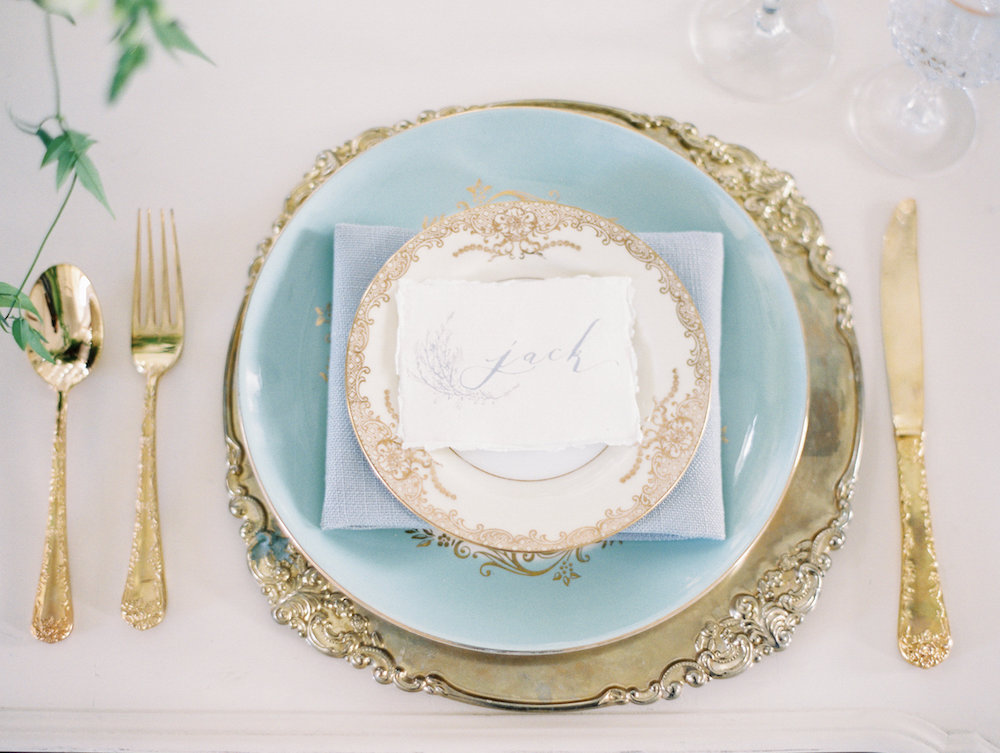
(72, 329)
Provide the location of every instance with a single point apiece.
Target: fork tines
(144, 301)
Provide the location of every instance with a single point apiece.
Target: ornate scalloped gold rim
(750, 613)
(417, 482)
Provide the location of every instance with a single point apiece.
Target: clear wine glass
(917, 117)
(763, 50)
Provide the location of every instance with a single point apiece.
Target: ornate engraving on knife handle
(144, 600)
(53, 614)
(924, 634)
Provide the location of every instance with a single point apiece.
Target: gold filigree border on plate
(482, 193)
(560, 565)
(750, 614)
(518, 230)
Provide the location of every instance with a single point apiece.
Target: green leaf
(54, 10)
(20, 331)
(69, 150)
(90, 180)
(127, 33)
(132, 58)
(64, 150)
(81, 142)
(11, 297)
(134, 19)
(54, 147)
(27, 336)
(131, 10)
(173, 37)
(67, 161)
(45, 137)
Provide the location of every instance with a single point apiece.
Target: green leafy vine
(136, 21)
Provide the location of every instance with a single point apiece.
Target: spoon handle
(144, 600)
(52, 619)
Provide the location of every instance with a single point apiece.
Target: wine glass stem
(768, 19)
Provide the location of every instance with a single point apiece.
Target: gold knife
(924, 634)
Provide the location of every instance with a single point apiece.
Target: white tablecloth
(223, 145)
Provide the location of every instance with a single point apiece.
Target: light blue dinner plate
(432, 585)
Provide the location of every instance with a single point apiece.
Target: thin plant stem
(50, 45)
(51, 48)
(31, 128)
(48, 232)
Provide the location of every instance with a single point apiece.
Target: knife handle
(924, 633)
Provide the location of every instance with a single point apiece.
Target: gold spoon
(72, 329)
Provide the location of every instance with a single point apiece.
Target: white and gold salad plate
(607, 623)
(580, 495)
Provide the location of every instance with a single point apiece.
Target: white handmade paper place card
(518, 364)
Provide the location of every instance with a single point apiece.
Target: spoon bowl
(70, 323)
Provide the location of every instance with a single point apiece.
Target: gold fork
(157, 340)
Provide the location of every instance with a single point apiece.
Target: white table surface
(223, 145)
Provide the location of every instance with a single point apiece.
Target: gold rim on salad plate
(624, 483)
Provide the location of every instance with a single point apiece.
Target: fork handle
(144, 600)
(52, 619)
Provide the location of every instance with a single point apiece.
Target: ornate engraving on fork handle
(53, 614)
(924, 633)
(144, 600)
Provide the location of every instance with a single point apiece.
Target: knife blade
(924, 634)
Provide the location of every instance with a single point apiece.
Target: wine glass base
(761, 56)
(906, 133)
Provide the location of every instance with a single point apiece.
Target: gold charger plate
(749, 613)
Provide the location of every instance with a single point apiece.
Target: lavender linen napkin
(356, 499)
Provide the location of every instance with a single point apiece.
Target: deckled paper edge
(403, 300)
